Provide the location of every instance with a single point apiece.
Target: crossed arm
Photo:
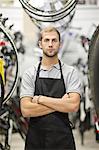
(68, 103)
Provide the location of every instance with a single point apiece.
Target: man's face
(50, 43)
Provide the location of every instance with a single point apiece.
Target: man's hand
(35, 98)
(65, 97)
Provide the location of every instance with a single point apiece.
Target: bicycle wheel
(93, 65)
(57, 12)
(9, 52)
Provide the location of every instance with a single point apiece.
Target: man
(49, 91)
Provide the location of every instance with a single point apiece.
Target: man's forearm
(54, 103)
(64, 104)
(30, 109)
(40, 110)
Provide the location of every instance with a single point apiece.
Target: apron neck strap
(38, 70)
(60, 69)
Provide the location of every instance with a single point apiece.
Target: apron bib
(52, 131)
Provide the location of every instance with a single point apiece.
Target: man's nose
(50, 42)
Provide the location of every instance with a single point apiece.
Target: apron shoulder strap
(38, 69)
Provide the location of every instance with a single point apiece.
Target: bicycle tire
(6, 33)
(93, 66)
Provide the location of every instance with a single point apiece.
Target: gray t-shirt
(70, 74)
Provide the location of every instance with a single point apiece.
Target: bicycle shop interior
(19, 30)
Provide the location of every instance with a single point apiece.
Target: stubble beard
(50, 55)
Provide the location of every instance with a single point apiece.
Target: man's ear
(40, 45)
(60, 46)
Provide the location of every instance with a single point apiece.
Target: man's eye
(46, 40)
(54, 40)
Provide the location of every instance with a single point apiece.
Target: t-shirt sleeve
(27, 84)
(74, 83)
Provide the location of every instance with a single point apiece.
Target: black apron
(52, 131)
